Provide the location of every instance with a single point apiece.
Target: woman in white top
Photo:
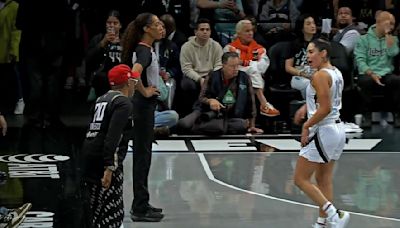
(323, 136)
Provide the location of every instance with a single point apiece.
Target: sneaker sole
(269, 115)
(145, 219)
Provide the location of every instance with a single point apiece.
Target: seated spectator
(277, 18)
(278, 15)
(297, 65)
(168, 60)
(227, 93)
(104, 52)
(164, 117)
(199, 56)
(253, 61)
(348, 33)
(374, 54)
(363, 11)
(173, 34)
(168, 57)
(225, 11)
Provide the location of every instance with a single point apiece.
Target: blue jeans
(3, 211)
(168, 118)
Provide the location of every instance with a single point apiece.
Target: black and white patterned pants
(107, 206)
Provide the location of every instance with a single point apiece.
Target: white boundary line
(210, 176)
(293, 152)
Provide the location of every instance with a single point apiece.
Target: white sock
(321, 221)
(329, 209)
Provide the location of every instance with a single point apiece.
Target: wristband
(135, 75)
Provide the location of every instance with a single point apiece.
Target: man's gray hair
(228, 55)
(241, 23)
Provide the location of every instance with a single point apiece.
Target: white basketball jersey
(335, 94)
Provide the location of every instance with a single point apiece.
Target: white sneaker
(352, 128)
(19, 107)
(340, 219)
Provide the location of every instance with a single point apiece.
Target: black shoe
(367, 120)
(161, 132)
(148, 216)
(150, 207)
(155, 209)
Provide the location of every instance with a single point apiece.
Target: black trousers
(143, 119)
(44, 75)
(391, 91)
(190, 91)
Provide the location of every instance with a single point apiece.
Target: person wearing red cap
(105, 148)
(137, 51)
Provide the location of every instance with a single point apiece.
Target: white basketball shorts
(326, 143)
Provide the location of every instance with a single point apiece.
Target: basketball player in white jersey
(323, 136)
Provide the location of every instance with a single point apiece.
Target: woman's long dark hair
(299, 25)
(132, 36)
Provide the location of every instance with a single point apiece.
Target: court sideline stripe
(210, 176)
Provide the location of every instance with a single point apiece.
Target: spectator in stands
(42, 54)
(9, 57)
(374, 53)
(277, 19)
(199, 56)
(297, 65)
(227, 92)
(277, 15)
(225, 11)
(178, 9)
(348, 33)
(168, 56)
(254, 61)
(164, 117)
(168, 60)
(363, 11)
(104, 52)
(173, 34)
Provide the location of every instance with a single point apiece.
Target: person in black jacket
(104, 52)
(105, 148)
(227, 93)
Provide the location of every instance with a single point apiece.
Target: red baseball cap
(120, 74)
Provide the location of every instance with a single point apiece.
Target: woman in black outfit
(138, 52)
(104, 52)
